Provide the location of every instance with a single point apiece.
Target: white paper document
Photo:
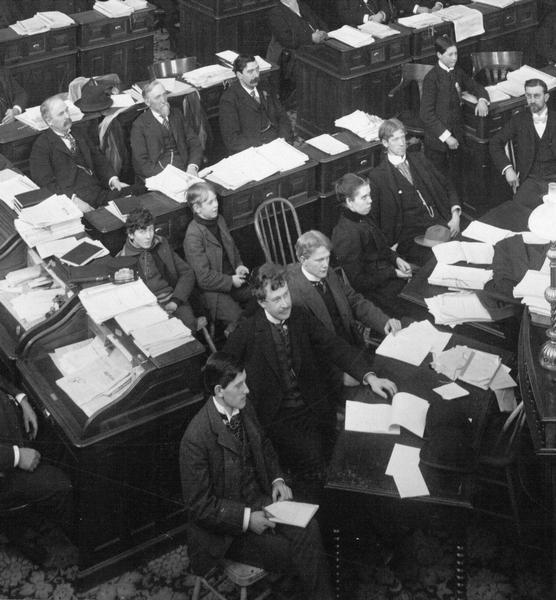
(476, 230)
(378, 30)
(327, 143)
(173, 182)
(452, 252)
(450, 391)
(455, 308)
(140, 317)
(289, 512)
(468, 22)
(361, 123)
(464, 278)
(403, 466)
(351, 36)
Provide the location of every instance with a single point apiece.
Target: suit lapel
(264, 333)
(339, 298)
(313, 300)
(224, 436)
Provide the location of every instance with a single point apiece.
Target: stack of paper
(32, 116)
(351, 36)
(283, 155)
(526, 72)
(496, 95)
(11, 184)
(471, 252)
(73, 357)
(19, 276)
(468, 22)
(378, 30)
(403, 466)
(476, 230)
(413, 343)
(289, 512)
(420, 20)
(113, 8)
(462, 278)
(207, 76)
(161, 337)
(173, 182)
(143, 316)
(136, 4)
(406, 410)
(498, 3)
(362, 124)
(83, 252)
(472, 366)
(228, 57)
(457, 308)
(103, 302)
(32, 306)
(531, 289)
(174, 86)
(31, 26)
(327, 143)
(55, 19)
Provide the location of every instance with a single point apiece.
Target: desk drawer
(36, 44)
(62, 39)
(526, 13)
(220, 8)
(422, 40)
(102, 30)
(142, 20)
(239, 209)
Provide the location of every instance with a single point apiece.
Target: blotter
(288, 512)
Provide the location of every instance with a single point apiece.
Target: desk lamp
(542, 222)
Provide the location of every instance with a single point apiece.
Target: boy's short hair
(310, 241)
(138, 218)
(199, 193)
(221, 369)
(267, 274)
(388, 128)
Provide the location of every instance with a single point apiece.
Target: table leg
(336, 536)
(461, 575)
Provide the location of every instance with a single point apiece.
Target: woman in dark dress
(373, 269)
(441, 110)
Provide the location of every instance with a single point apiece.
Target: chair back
(277, 228)
(174, 67)
(491, 67)
(504, 446)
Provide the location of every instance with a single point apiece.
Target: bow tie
(235, 425)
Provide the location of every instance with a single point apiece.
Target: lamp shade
(542, 221)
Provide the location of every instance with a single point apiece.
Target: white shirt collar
(542, 114)
(250, 91)
(395, 159)
(443, 66)
(272, 319)
(157, 116)
(221, 410)
(310, 277)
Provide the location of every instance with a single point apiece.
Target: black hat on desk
(94, 97)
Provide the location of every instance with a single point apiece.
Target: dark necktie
(320, 286)
(166, 123)
(71, 141)
(235, 425)
(255, 97)
(403, 168)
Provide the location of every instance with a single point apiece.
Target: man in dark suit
(67, 162)
(229, 473)
(409, 194)
(13, 98)
(23, 477)
(406, 8)
(160, 137)
(285, 350)
(533, 133)
(249, 114)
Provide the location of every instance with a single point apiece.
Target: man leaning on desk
(249, 114)
(160, 137)
(13, 98)
(67, 162)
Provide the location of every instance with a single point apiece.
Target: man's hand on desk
(403, 270)
(116, 184)
(512, 178)
(10, 115)
(29, 459)
(382, 387)
(319, 36)
(392, 326)
(481, 110)
(258, 522)
(30, 421)
(280, 491)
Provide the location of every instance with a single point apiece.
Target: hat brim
(93, 107)
(423, 241)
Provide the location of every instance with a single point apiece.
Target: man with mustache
(67, 162)
(160, 136)
(249, 114)
(533, 133)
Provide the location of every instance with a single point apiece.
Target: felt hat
(435, 234)
(94, 97)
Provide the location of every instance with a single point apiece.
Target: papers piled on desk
(12, 184)
(33, 305)
(171, 181)
(31, 26)
(456, 308)
(351, 36)
(476, 230)
(73, 357)
(495, 94)
(378, 30)
(103, 302)
(55, 19)
(531, 289)
(463, 278)
(420, 20)
(161, 337)
(143, 316)
(514, 85)
(208, 76)
(327, 143)
(113, 8)
(468, 22)
(498, 3)
(361, 123)
(413, 343)
(228, 57)
(33, 118)
(255, 164)
(403, 466)
(136, 4)
(479, 253)
(54, 218)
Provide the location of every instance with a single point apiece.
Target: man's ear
(217, 390)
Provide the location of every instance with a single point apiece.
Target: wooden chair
(498, 461)
(174, 67)
(277, 227)
(409, 92)
(240, 574)
(491, 67)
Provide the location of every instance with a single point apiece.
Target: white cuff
(506, 168)
(278, 479)
(16, 456)
(111, 181)
(20, 397)
(367, 374)
(444, 136)
(456, 208)
(19, 109)
(415, 9)
(246, 517)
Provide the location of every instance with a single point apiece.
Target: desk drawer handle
(269, 195)
(117, 28)
(364, 162)
(36, 46)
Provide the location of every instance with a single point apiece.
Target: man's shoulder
(142, 120)
(199, 425)
(232, 92)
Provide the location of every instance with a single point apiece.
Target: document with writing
(288, 512)
(486, 233)
(465, 278)
(407, 410)
(403, 466)
(478, 253)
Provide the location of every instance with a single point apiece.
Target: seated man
(226, 497)
(168, 277)
(406, 8)
(213, 255)
(282, 347)
(67, 162)
(23, 477)
(13, 98)
(249, 114)
(533, 133)
(160, 137)
(409, 194)
(317, 288)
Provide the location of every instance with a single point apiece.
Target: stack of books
(113, 8)
(351, 36)
(173, 182)
(362, 124)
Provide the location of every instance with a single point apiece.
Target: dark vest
(170, 150)
(333, 311)
(544, 163)
(292, 395)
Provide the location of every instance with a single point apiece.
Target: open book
(406, 410)
(288, 512)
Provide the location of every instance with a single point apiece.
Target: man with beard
(161, 137)
(250, 115)
(533, 133)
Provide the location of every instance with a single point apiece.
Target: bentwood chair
(277, 228)
(173, 68)
(491, 67)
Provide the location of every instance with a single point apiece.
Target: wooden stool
(241, 574)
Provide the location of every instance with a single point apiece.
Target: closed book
(27, 199)
(81, 254)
